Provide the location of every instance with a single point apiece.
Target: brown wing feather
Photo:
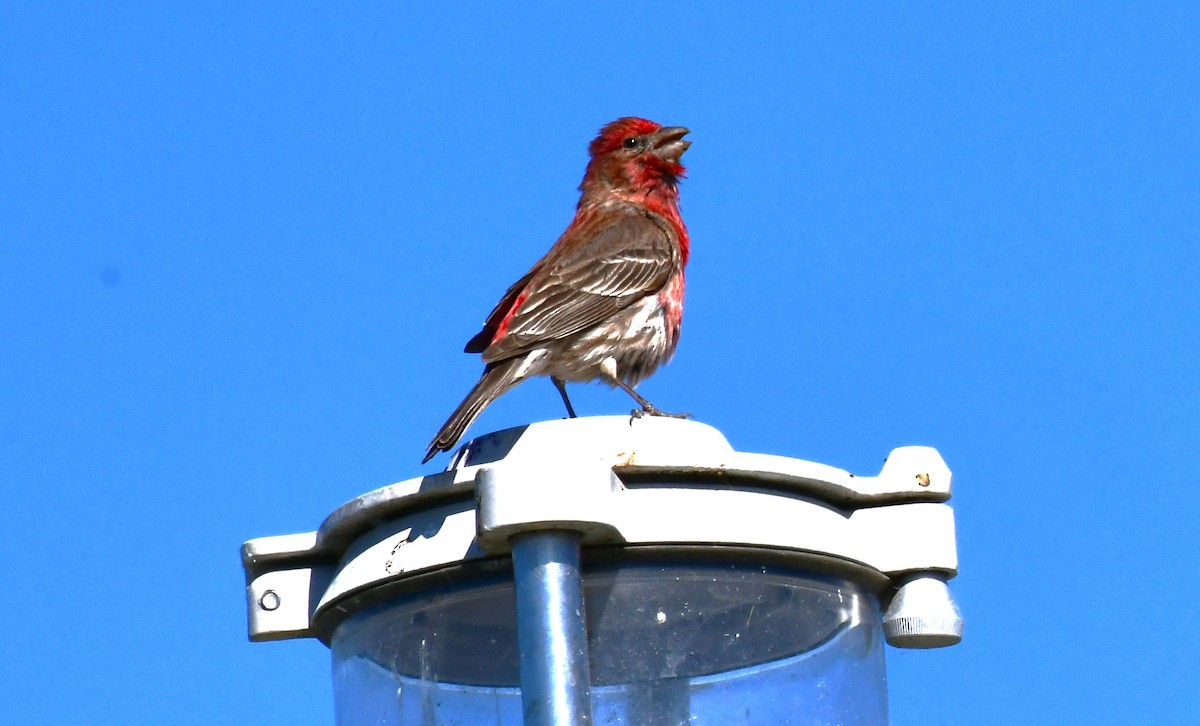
(587, 283)
(484, 337)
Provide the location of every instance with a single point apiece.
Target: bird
(605, 303)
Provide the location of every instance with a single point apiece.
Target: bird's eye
(632, 142)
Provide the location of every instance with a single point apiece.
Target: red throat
(662, 198)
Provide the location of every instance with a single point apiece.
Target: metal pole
(555, 679)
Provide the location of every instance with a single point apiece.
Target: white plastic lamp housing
(646, 482)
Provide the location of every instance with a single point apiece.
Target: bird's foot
(653, 411)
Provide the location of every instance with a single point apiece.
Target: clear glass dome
(670, 642)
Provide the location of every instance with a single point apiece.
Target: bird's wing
(495, 318)
(585, 283)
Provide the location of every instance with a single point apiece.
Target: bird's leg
(647, 408)
(562, 391)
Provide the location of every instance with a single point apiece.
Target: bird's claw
(652, 411)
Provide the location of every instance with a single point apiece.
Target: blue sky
(241, 247)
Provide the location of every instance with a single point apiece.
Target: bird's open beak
(668, 143)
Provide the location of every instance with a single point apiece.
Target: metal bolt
(923, 614)
(269, 600)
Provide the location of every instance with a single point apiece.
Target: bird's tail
(497, 378)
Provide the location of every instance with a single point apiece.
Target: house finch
(606, 301)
